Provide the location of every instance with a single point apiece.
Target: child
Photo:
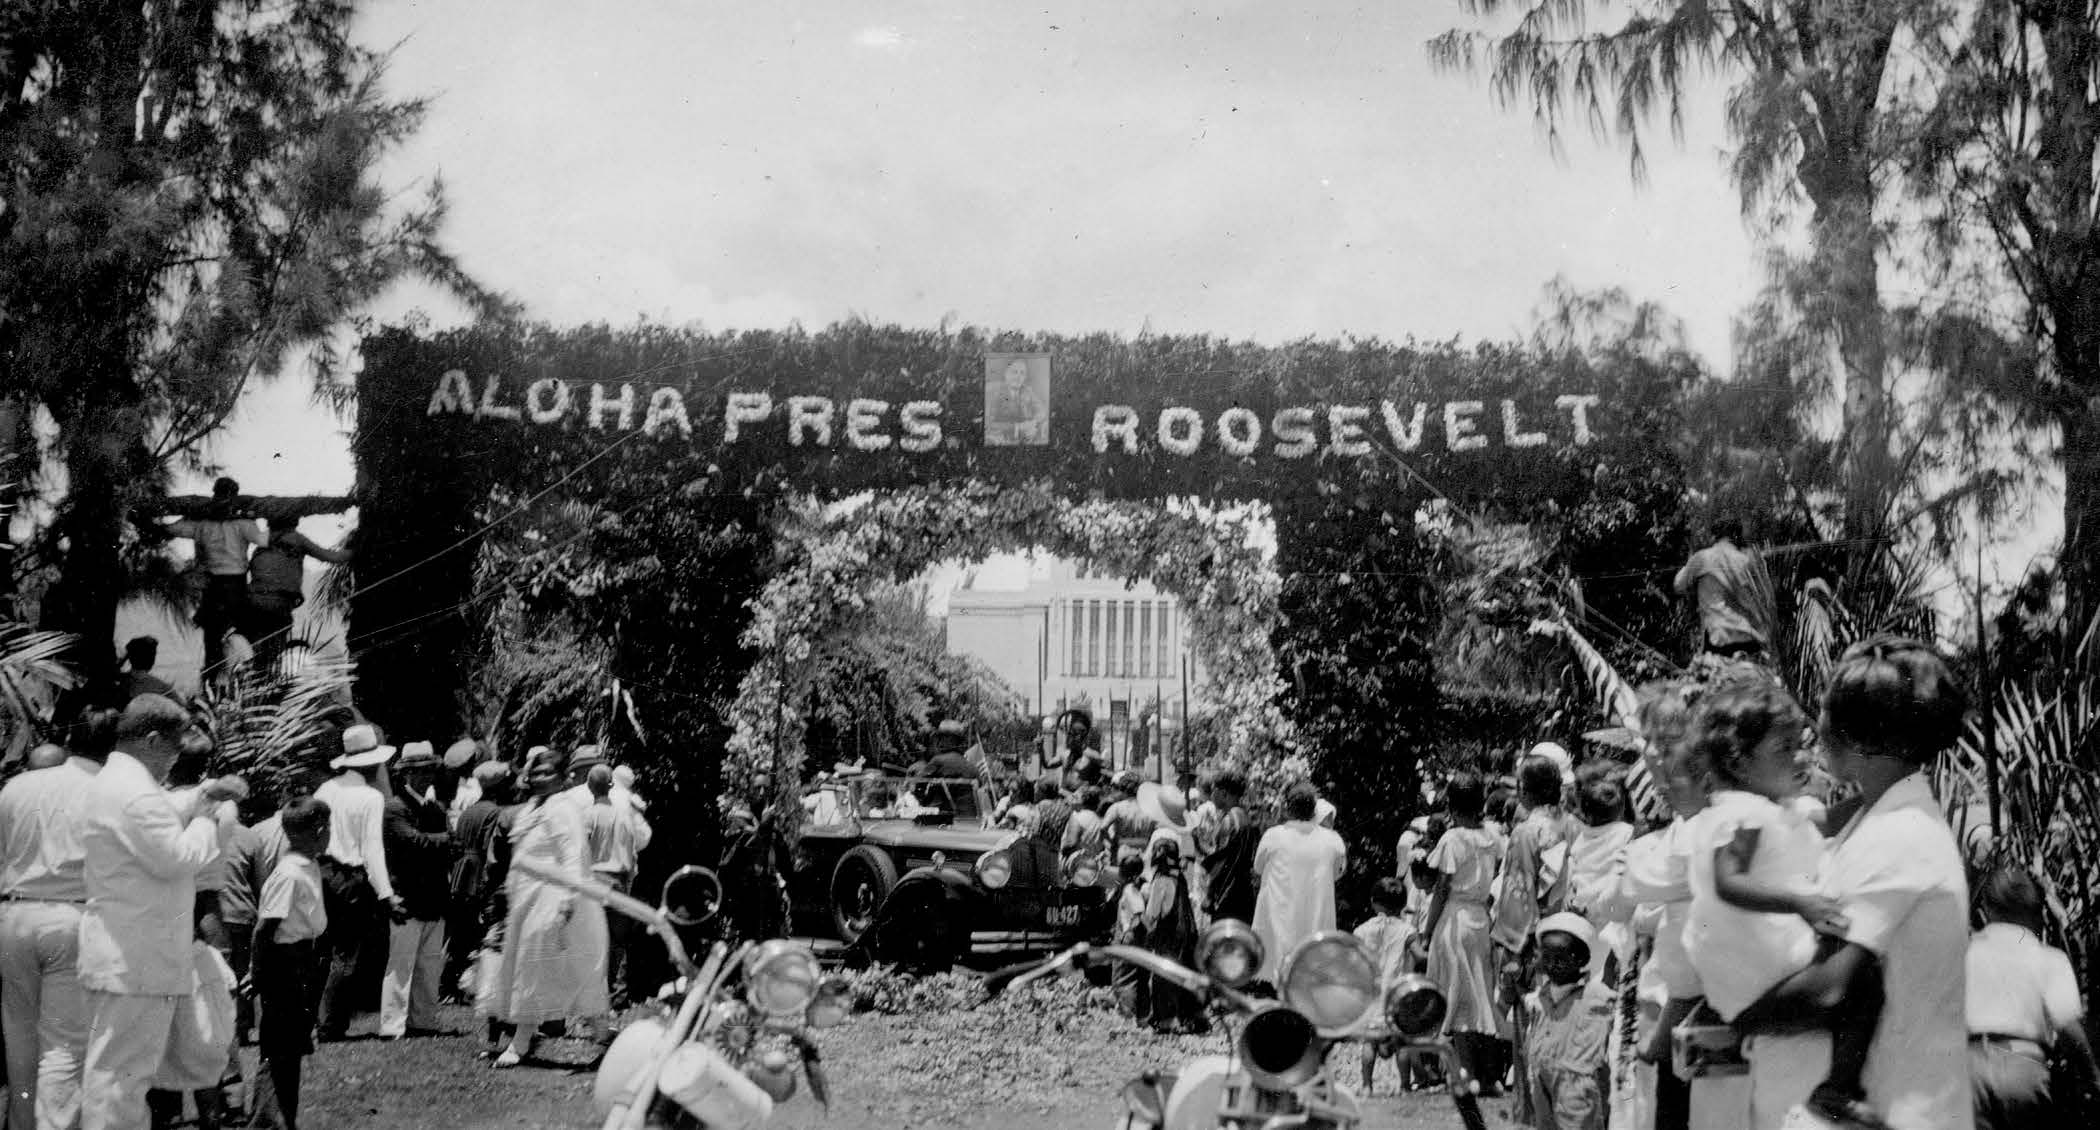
(1168, 921)
(1655, 876)
(1385, 936)
(1568, 1023)
(1755, 859)
(1456, 926)
(289, 917)
(1131, 985)
(2023, 1001)
(1600, 842)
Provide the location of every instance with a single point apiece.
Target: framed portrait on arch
(1016, 399)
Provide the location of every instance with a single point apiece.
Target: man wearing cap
(585, 759)
(474, 873)
(419, 857)
(461, 759)
(617, 836)
(141, 855)
(949, 760)
(360, 888)
(1125, 824)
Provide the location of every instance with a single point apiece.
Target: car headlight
(1229, 953)
(1415, 1006)
(781, 977)
(994, 869)
(1330, 978)
(834, 1000)
(1083, 872)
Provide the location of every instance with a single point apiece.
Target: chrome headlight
(1280, 1048)
(1229, 953)
(1084, 871)
(832, 1004)
(994, 869)
(781, 978)
(1330, 978)
(1415, 1006)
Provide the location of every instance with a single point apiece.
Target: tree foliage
(186, 199)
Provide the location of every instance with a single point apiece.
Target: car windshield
(905, 798)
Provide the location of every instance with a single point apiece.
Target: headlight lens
(1084, 872)
(833, 1002)
(994, 869)
(1330, 978)
(1415, 1006)
(1229, 953)
(780, 978)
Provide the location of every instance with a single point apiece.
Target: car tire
(860, 884)
(921, 937)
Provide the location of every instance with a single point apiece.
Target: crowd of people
(1810, 924)
(147, 934)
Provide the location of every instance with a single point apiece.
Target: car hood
(973, 839)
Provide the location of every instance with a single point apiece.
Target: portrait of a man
(1016, 399)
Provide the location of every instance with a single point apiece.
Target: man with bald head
(142, 853)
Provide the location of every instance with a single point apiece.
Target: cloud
(883, 38)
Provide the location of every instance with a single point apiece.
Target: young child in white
(1755, 857)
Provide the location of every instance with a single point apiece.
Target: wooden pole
(264, 506)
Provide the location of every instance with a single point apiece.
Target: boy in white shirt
(290, 918)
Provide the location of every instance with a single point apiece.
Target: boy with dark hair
(290, 917)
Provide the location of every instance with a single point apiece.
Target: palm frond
(31, 676)
(266, 725)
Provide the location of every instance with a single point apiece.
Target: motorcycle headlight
(832, 1004)
(781, 978)
(1229, 953)
(994, 869)
(1330, 978)
(1415, 1006)
(1280, 1048)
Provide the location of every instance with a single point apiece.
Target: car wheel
(860, 883)
(919, 934)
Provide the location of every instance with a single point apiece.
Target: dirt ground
(884, 1070)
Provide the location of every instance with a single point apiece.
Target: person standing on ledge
(223, 535)
(1732, 592)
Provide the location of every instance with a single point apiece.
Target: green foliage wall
(684, 550)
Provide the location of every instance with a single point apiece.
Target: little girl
(1132, 985)
(1460, 958)
(1386, 936)
(1755, 857)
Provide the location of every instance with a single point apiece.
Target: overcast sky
(1256, 170)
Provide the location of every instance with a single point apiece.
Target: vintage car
(911, 870)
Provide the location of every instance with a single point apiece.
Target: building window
(1145, 668)
(1072, 630)
(1166, 650)
(1109, 659)
(1130, 641)
(1093, 638)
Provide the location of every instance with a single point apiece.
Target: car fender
(960, 890)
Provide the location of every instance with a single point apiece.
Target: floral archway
(1209, 558)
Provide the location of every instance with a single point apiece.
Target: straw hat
(361, 749)
(1164, 806)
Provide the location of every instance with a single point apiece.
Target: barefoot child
(1755, 861)
(1385, 936)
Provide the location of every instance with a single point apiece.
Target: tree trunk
(2080, 560)
(91, 578)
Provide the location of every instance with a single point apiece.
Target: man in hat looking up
(585, 759)
(354, 873)
(419, 855)
(142, 852)
(948, 759)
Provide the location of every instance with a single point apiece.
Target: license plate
(1064, 915)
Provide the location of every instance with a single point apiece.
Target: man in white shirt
(618, 835)
(141, 859)
(42, 894)
(360, 890)
(223, 536)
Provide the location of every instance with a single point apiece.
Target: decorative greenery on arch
(1211, 559)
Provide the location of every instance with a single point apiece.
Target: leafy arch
(1209, 558)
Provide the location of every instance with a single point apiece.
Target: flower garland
(1202, 555)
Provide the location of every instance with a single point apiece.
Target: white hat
(1574, 925)
(1166, 807)
(361, 749)
(1553, 752)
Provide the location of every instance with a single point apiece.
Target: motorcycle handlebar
(1083, 954)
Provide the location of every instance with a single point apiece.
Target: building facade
(1069, 635)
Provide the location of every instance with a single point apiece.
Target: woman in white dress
(1296, 863)
(552, 964)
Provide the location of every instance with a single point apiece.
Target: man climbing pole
(1732, 593)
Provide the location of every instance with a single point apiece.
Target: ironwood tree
(187, 201)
